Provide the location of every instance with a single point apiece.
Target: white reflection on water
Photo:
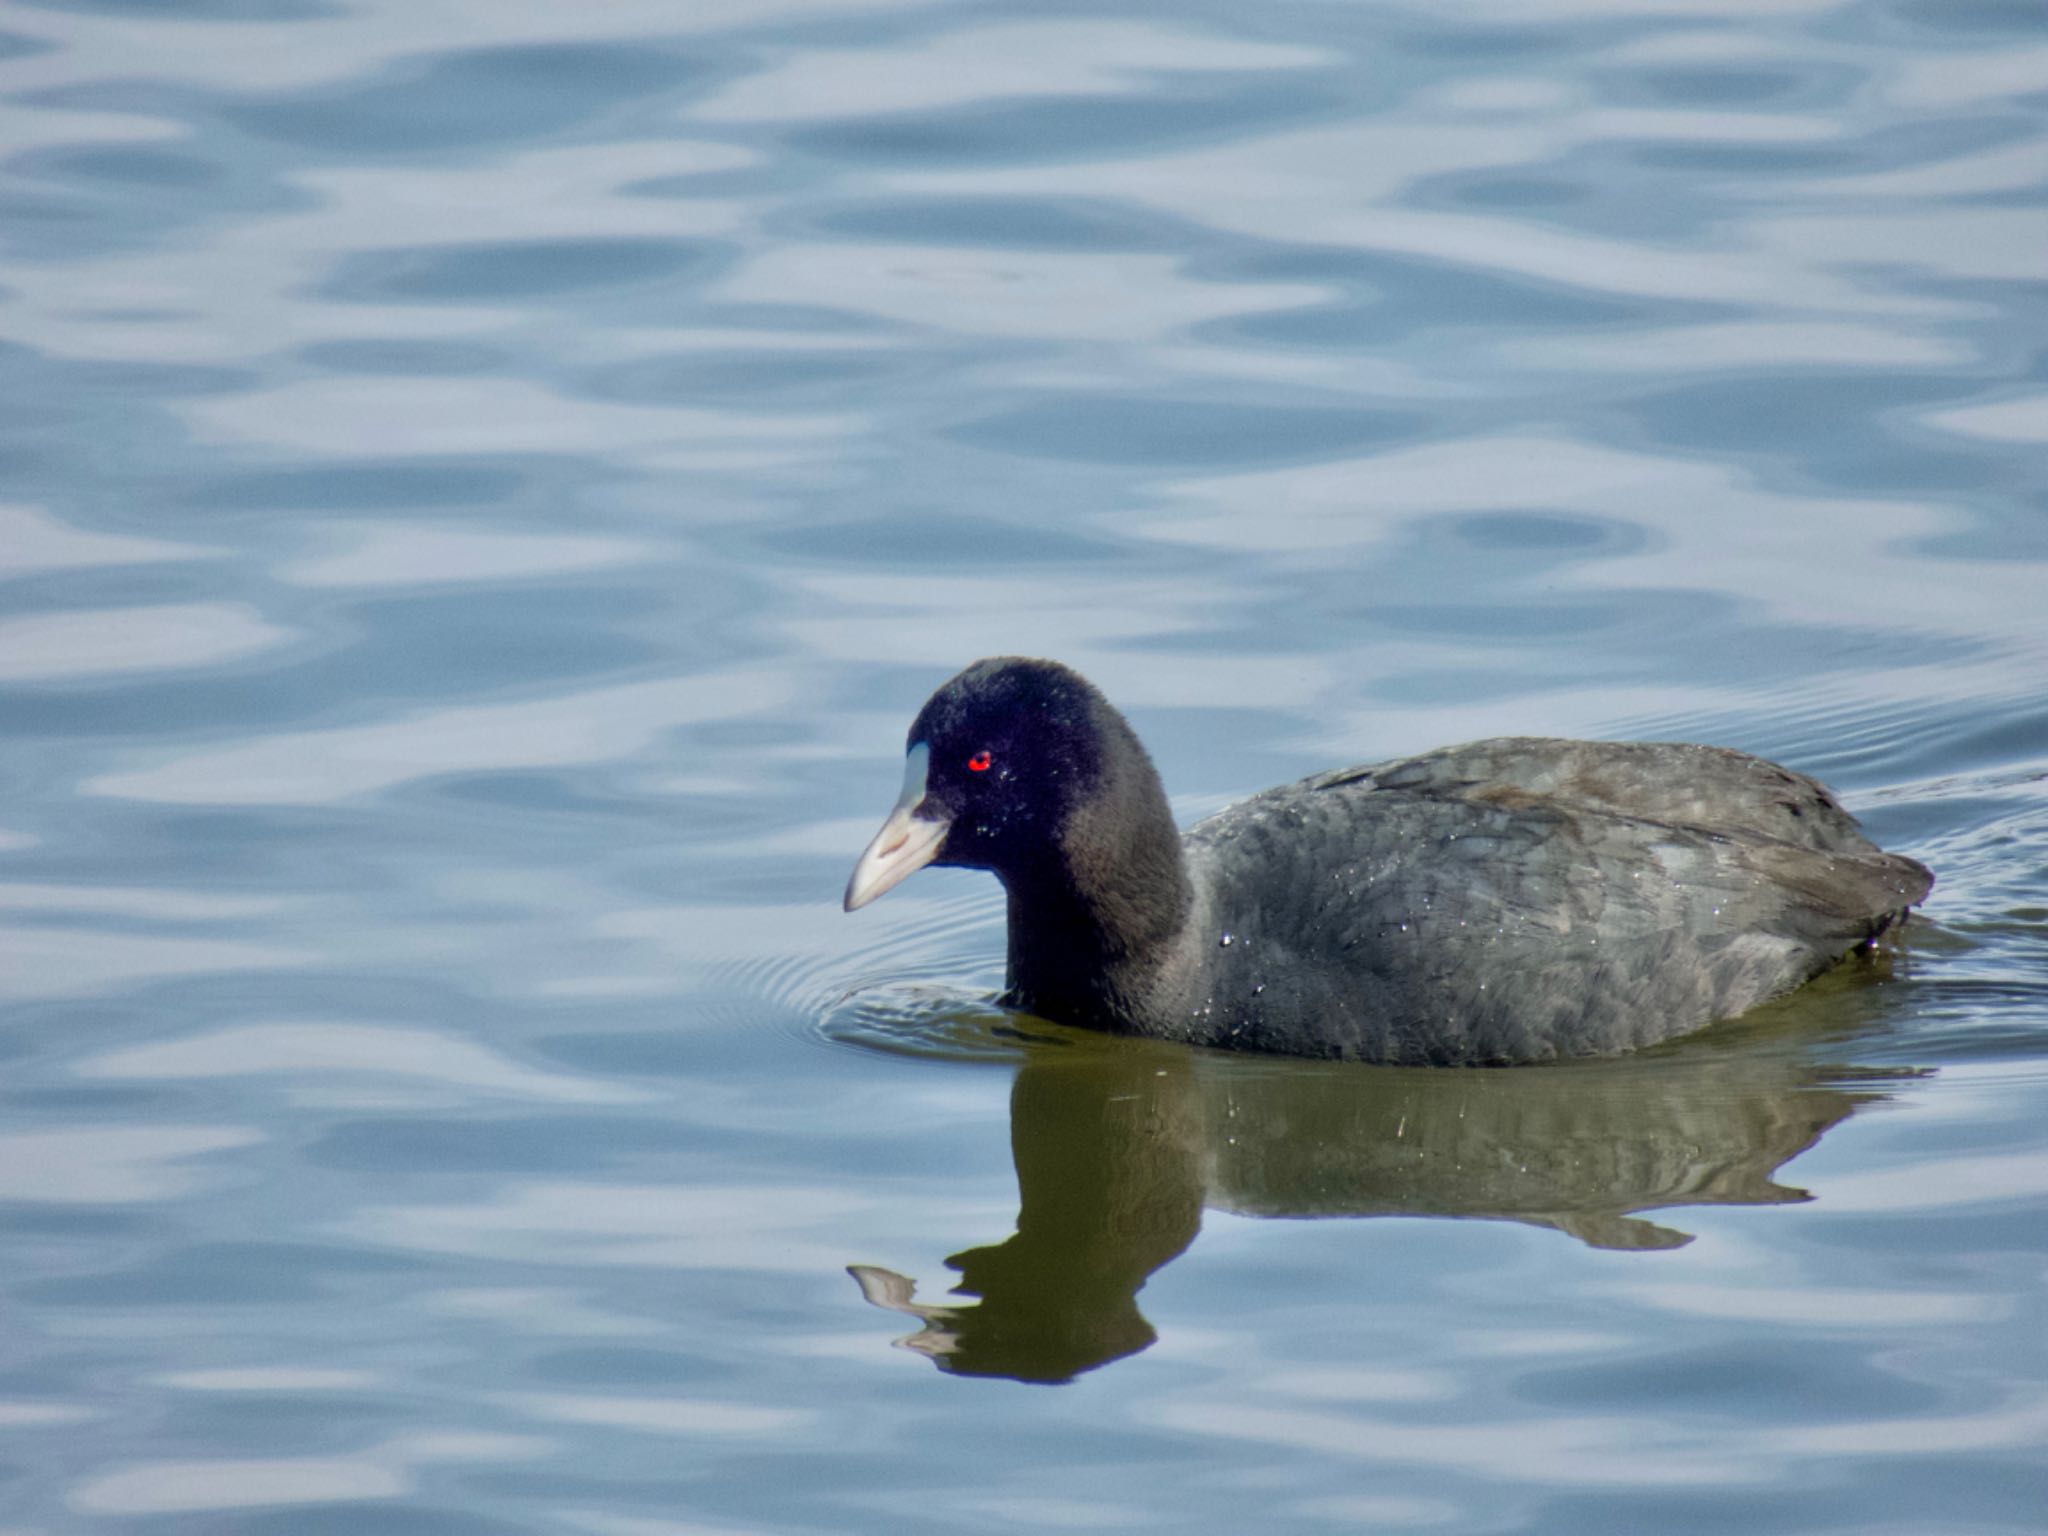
(165, 1487)
(320, 1052)
(1964, 78)
(1536, 1343)
(1026, 1510)
(1358, 1384)
(168, 904)
(767, 1229)
(663, 1415)
(532, 1311)
(1954, 240)
(1716, 528)
(1098, 626)
(358, 417)
(1739, 344)
(316, 767)
(90, 642)
(325, 45)
(1587, 1450)
(2021, 1423)
(1368, 1510)
(32, 541)
(2010, 169)
(545, 192)
(1806, 1306)
(112, 1164)
(15, 1414)
(2020, 420)
(42, 962)
(380, 555)
(1668, 10)
(1938, 1183)
(1102, 296)
(1010, 61)
(382, 1472)
(600, 1523)
(1340, 186)
(271, 1378)
(1352, 502)
(238, 291)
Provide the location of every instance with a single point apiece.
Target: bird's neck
(1091, 933)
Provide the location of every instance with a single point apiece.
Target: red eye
(979, 762)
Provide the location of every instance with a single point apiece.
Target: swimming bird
(1509, 900)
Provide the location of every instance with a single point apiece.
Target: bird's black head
(1014, 745)
(1022, 768)
(999, 763)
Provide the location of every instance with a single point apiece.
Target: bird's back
(1523, 898)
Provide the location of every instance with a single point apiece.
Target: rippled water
(484, 486)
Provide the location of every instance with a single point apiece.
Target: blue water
(483, 489)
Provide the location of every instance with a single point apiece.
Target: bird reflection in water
(1119, 1145)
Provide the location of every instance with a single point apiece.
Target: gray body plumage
(1519, 899)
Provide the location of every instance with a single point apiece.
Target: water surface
(483, 489)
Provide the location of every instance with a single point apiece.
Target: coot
(1505, 901)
